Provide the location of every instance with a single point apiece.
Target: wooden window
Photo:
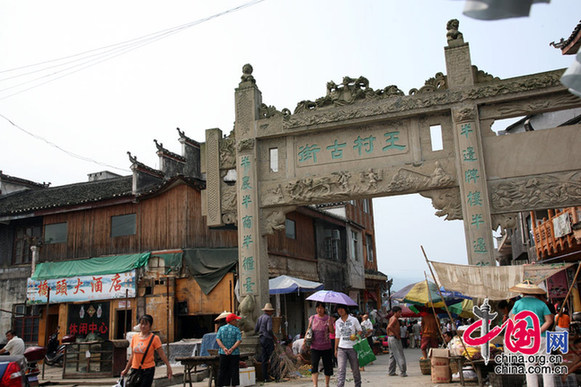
(123, 225)
(369, 241)
(355, 245)
(24, 238)
(26, 322)
(55, 233)
(366, 206)
(290, 229)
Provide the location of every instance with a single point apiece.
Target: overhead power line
(72, 154)
(44, 72)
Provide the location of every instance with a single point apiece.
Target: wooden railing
(546, 244)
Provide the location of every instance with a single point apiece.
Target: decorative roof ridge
(184, 138)
(563, 44)
(144, 168)
(20, 180)
(166, 152)
(158, 188)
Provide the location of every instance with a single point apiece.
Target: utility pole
(389, 284)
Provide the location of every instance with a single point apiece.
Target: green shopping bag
(365, 354)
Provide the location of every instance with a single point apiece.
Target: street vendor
(529, 302)
(430, 333)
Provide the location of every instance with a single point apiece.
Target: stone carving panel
(535, 192)
(274, 219)
(228, 152)
(246, 144)
(229, 211)
(346, 185)
(446, 202)
(368, 107)
(504, 221)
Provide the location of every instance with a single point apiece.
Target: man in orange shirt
(430, 331)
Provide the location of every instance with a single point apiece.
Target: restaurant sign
(83, 288)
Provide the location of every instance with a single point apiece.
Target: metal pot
(577, 316)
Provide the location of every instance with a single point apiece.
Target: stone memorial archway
(359, 142)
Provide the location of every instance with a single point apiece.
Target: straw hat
(222, 315)
(527, 287)
(268, 307)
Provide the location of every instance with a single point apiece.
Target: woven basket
(453, 367)
(425, 366)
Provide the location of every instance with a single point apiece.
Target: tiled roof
(28, 201)
(18, 180)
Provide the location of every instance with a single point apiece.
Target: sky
(62, 120)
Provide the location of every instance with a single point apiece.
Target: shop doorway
(123, 319)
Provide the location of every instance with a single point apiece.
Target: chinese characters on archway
(83, 288)
(247, 227)
(473, 195)
(317, 150)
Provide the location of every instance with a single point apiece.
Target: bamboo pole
(570, 288)
(448, 311)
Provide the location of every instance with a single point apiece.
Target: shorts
(429, 342)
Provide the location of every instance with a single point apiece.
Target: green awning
(92, 266)
(209, 266)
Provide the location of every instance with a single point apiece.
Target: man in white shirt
(14, 346)
(297, 345)
(346, 330)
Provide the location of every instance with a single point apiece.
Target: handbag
(136, 376)
(309, 334)
(365, 354)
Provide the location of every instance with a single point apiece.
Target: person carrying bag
(135, 378)
(365, 354)
(143, 369)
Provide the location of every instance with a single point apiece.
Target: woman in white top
(346, 330)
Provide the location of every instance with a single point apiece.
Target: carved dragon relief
(274, 219)
(535, 192)
(504, 221)
(228, 152)
(228, 202)
(312, 113)
(344, 185)
(446, 202)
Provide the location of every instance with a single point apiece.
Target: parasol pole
(570, 288)
(447, 310)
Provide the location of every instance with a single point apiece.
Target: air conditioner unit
(336, 234)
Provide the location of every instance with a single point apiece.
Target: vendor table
(478, 367)
(212, 361)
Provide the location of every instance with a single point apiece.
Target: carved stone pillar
(252, 245)
(469, 155)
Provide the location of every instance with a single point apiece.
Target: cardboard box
(440, 361)
(439, 356)
(439, 352)
(247, 376)
(441, 374)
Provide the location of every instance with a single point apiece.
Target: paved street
(374, 375)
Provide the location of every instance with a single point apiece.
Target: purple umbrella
(332, 297)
